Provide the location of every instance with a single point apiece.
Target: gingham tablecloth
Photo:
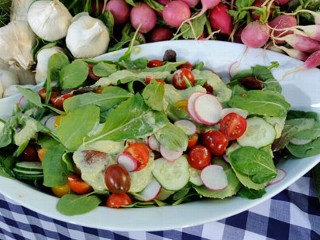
(292, 214)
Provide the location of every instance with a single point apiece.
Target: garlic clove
(87, 37)
(8, 78)
(16, 42)
(43, 57)
(19, 9)
(49, 19)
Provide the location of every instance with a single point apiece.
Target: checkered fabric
(292, 214)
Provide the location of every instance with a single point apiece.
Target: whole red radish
(161, 33)
(120, 10)
(144, 16)
(191, 3)
(220, 19)
(175, 13)
(255, 34)
(265, 6)
(282, 22)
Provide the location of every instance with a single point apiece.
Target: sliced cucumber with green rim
(28, 170)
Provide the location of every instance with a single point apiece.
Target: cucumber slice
(29, 166)
(259, 133)
(195, 178)
(172, 175)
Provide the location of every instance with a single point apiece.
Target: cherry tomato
(139, 152)
(208, 87)
(192, 140)
(91, 74)
(155, 63)
(61, 190)
(78, 186)
(29, 153)
(199, 157)
(233, 126)
(149, 79)
(116, 200)
(41, 152)
(58, 102)
(117, 179)
(54, 94)
(183, 78)
(186, 65)
(215, 141)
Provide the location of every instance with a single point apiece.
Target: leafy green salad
(151, 132)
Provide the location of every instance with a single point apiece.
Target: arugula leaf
(131, 119)
(255, 163)
(73, 75)
(104, 69)
(76, 125)
(153, 95)
(72, 204)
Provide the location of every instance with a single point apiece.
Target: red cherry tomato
(58, 102)
(215, 141)
(117, 179)
(192, 140)
(186, 65)
(155, 63)
(183, 78)
(91, 74)
(116, 200)
(233, 126)
(78, 186)
(30, 153)
(54, 94)
(199, 157)
(149, 79)
(140, 152)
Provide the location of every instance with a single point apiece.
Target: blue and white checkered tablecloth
(292, 214)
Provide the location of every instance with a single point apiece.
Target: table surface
(292, 214)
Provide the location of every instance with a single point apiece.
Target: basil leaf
(76, 125)
(72, 204)
(73, 75)
(255, 163)
(153, 95)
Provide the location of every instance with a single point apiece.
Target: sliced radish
(214, 177)
(153, 143)
(280, 176)
(127, 161)
(150, 192)
(22, 102)
(169, 154)
(50, 122)
(187, 126)
(207, 109)
(239, 111)
(225, 158)
(190, 106)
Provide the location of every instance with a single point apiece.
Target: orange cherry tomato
(116, 200)
(41, 153)
(140, 152)
(78, 186)
(61, 190)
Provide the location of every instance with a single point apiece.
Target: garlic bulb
(16, 42)
(8, 78)
(25, 76)
(87, 36)
(43, 57)
(19, 9)
(49, 19)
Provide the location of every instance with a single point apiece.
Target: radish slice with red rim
(190, 106)
(153, 143)
(22, 102)
(127, 161)
(280, 176)
(207, 109)
(187, 126)
(49, 122)
(169, 154)
(150, 192)
(214, 177)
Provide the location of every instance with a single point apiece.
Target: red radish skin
(220, 19)
(190, 106)
(142, 15)
(280, 25)
(255, 34)
(207, 109)
(260, 4)
(161, 34)
(120, 11)
(301, 43)
(169, 154)
(214, 177)
(280, 176)
(175, 13)
(127, 161)
(163, 2)
(187, 126)
(282, 2)
(150, 192)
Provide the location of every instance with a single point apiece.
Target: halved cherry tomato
(58, 102)
(91, 74)
(140, 152)
(149, 79)
(199, 157)
(233, 126)
(183, 78)
(61, 190)
(155, 63)
(117, 179)
(116, 200)
(192, 140)
(215, 141)
(78, 186)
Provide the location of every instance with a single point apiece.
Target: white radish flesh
(214, 177)
(280, 176)
(49, 122)
(153, 143)
(150, 192)
(312, 31)
(22, 102)
(187, 126)
(190, 106)
(127, 161)
(169, 154)
(207, 109)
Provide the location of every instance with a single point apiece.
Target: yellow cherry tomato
(61, 190)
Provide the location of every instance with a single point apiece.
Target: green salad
(151, 132)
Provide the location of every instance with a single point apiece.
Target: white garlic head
(87, 37)
(8, 78)
(49, 19)
(16, 42)
(19, 9)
